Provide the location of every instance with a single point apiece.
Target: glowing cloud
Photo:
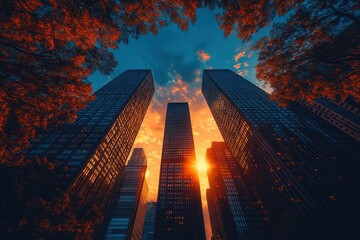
(150, 137)
(243, 72)
(203, 56)
(237, 66)
(239, 55)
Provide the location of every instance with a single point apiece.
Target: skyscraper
(342, 115)
(302, 172)
(179, 210)
(95, 147)
(149, 223)
(232, 212)
(125, 218)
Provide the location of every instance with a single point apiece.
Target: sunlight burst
(201, 165)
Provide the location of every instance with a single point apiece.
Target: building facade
(301, 171)
(232, 211)
(125, 218)
(95, 147)
(342, 115)
(149, 224)
(179, 210)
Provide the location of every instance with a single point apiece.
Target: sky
(177, 60)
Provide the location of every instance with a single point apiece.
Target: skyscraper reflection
(232, 211)
(125, 218)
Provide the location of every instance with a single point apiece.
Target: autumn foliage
(48, 48)
(313, 53)
(246, 17)
(316, 53)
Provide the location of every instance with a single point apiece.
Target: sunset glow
(150, 136)
(201, 165)
(143, 119)
(177, 70)
(147, 174)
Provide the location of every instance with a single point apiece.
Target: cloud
(196, 133)
(237, 66)
(203, 56)
(246, 64)
(177, 77)
(179, 90)
(150, 138)
(163, 62)
(147, 137)
(197, 75)
(243, 72)
(243, 51)
(239, 55)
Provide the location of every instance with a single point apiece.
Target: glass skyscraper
(302, 173)
(125, 218)
(344, 115)
(95, 147)
(232, 212)
(149, 223)
(179, 210)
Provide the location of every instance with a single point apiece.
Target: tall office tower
(302, 172)
(179, 210)
(149, 224)
(232, 212)
(343, 115)
(125, 218)
(95, 147)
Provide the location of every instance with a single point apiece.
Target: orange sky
(205, 131)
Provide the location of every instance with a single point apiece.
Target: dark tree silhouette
(314, 53)
(49, 47)
(32, 205)
(246, 17)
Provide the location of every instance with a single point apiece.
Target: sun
(201, 165)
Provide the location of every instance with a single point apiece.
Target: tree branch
(346, 15)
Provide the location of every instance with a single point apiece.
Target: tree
(28, 213)
(142, 17)
(316, 53)
(249, 16)
(49, 47)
